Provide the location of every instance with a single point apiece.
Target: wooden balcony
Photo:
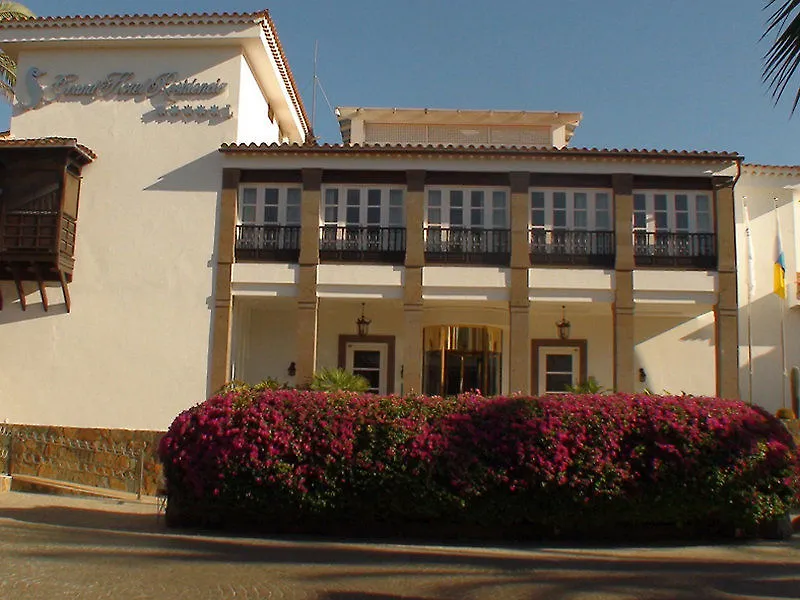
(39, 212)
(562, 247)
(671, 249)
(467, 246)
(369, 244)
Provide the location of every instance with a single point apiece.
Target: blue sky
(683, 74)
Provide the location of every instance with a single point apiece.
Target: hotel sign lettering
(164, 90)
(125, 85)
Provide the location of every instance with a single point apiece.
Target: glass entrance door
(462, 359)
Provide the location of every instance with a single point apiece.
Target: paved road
(57, 547)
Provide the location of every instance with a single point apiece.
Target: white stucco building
(772, 195)
(213, 239)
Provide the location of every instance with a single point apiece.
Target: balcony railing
(268, 243)
(476, 246)
(561, 247)
(362, 244)
(698, 250)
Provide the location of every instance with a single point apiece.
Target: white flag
(751, 262)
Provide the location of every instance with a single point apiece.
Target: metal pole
(314, 89)
(10, 449)
(141, 475)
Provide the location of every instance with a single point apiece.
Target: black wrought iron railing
(562, 247)
(459, 245)
(698, 250)
(362, 244)
(268, 243)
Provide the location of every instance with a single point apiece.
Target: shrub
(338, 380)
(290, 460)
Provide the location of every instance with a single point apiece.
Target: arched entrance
(461, 359)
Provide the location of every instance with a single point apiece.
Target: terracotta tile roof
(518, 151)
(785, 170)
(134, 20)
(223, 18)
(49, 142)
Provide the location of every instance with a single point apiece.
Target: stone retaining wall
(105, 458)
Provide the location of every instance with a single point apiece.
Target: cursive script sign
(119, 85)
(125, 85)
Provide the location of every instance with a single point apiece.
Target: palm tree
(783, 58)
(8, 67)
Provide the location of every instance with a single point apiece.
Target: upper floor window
(679, 212)
(581, 210)
(270, 205)
(467, 208)
(363, 206)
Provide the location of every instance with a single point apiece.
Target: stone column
(519, 360)
(726, 312)
(307, 302)
(221, 318)
(412, 283)
(624, 380)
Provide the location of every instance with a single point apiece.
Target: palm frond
(782, 60)
(8, 67)
(15, 10)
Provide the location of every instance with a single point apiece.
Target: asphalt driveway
(66, 547)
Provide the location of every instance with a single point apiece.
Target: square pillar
(623, 309)
(415, 218)
(726, 311)
(221, 319)
(412, 333)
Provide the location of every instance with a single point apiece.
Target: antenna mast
(314, 92)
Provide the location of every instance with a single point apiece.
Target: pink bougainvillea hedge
(299, 461)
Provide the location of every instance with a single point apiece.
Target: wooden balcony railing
(469, 246)
(268, 243)
(362, 244)
(697, 250)
(561, 247)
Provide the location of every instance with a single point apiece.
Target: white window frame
(488, 210)
(388, 195)
(544, 351)
(671, 211)
(591, 195)
(260, 191)
(383, 365)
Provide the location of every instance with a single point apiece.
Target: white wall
(759, 191)
(133, 352)
(254, 125)
(338, 317)
(264, 340)
(676, 352)
(592, 323)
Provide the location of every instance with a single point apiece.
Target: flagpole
(782, 300)
(750, 294)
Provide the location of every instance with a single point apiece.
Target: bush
(573, 465)
(338, 380)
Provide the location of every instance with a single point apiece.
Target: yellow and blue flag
(779, 268)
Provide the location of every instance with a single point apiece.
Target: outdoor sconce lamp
(642, 376)
(292, 370)
(563, 326)
(363, 323)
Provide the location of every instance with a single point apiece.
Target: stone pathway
(65, 547)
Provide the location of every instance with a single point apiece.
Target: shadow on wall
(767, 364)
(192, 177)
(12, 308)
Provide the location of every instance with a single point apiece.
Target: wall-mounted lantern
(642, 376)
(563, 325)
(292, 370)
(363, 323)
